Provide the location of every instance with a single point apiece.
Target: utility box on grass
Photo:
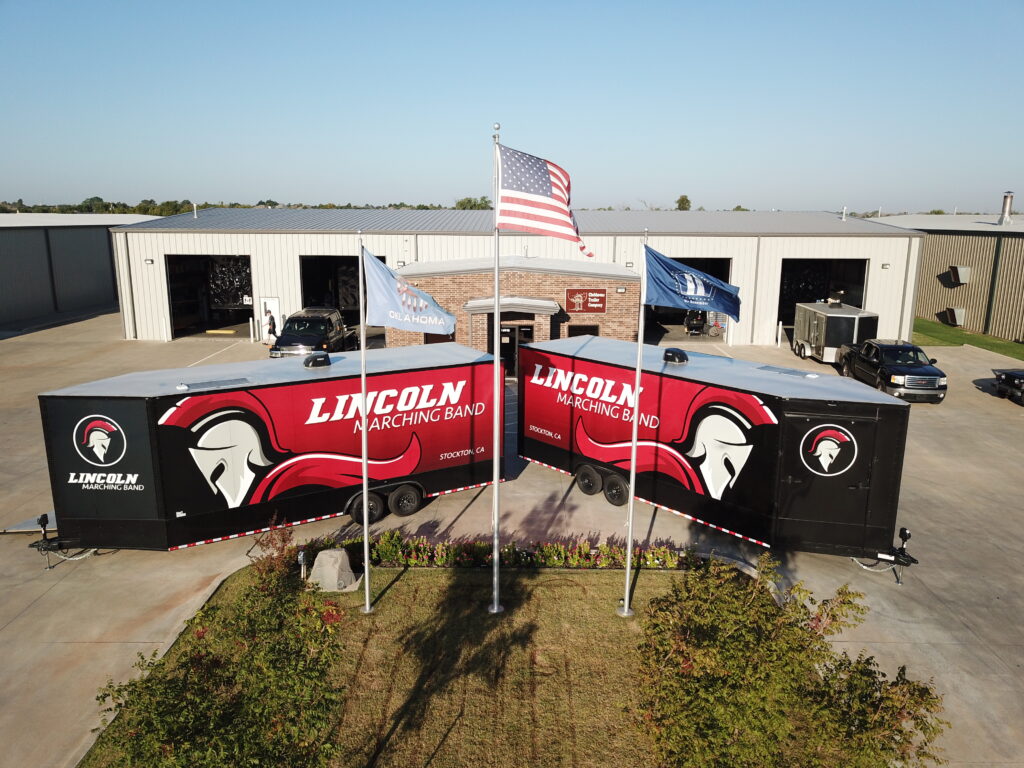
(778, 457)
(172, 458)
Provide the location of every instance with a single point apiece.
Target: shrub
(388, 549)
(731, 678)
(247, 686)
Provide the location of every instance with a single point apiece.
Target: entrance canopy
(528, 304)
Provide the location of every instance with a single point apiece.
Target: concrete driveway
(959, 616)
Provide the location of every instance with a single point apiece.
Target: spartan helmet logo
(722, 446)
(226, 453)
(828, 450)
(99, 440)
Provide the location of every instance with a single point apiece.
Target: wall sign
(586, 300)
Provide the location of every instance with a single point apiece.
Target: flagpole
(625, 610)
(499, 388)
(367, 608)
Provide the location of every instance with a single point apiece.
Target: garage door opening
(673, 324)
(332, 281)
(209, 294)
(809, 280)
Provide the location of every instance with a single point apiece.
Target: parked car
(897, 368)
(1011, 384)
(314, 329)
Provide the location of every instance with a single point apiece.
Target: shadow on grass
(458, 641)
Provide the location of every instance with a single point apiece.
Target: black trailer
(779, 457)
(821, 328)
(173, 458)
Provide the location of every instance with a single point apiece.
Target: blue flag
(392, 301)
(671, 284)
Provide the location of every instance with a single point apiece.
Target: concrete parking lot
(958, 617)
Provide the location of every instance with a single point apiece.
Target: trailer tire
(616, 490)
(374, 507)
(405, 500)
(802, 351)
(588, 480)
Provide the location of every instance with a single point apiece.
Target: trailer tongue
(777, 457)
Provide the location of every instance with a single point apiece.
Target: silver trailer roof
(836, 310)
(261, 373)
(719, 371)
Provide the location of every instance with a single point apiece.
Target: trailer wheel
(802, 351)
(375, 508)
(616, 490)
(405, 500)
(588, 480)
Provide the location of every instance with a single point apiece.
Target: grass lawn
(930, 333)
(434, 680)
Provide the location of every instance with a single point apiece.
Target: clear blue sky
(799, 106)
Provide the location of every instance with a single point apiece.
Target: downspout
(992, 284)
(903, 302)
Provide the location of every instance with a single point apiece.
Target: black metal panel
(100, 458)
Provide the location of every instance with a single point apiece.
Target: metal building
(56, 263)
(194, 271)
(972, 271)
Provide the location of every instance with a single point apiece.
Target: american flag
(533, 196)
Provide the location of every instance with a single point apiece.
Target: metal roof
(72, 219)
(262, 373)
(961, 222)
(749, 223)
(530, 304)
(568, 267)
(718, 371)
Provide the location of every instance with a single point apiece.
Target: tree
(269, 203)
(937, 212)
(733, 678)
(683, 203)
(473, 204)
(740, 208)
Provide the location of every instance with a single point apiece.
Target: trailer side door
(824, 486)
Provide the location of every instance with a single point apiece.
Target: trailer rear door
(824, 487)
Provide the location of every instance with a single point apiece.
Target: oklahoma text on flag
(391, 301)
(534, 196)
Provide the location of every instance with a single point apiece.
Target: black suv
(1010, 384)
(314, 329)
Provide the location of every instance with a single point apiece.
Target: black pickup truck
(1010, 384)
(895, 367)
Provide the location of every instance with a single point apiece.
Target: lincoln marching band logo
(828, 450)
(99, 440)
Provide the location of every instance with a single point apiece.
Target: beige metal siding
(935, 290)
(756, 264)
(25, 287)
(1008, 306)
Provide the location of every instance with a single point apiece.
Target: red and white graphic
(254, 446)
(408, 297)
(99, 440)
(828, 450)
(703, 440)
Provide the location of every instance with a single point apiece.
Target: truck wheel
(846, 369)
(405, 500)
(588, 480)
(880, 386)
(374, 507)
(616, 490)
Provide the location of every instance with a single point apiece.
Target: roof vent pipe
(844, 213)
(195, 211)
(1004, 217)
